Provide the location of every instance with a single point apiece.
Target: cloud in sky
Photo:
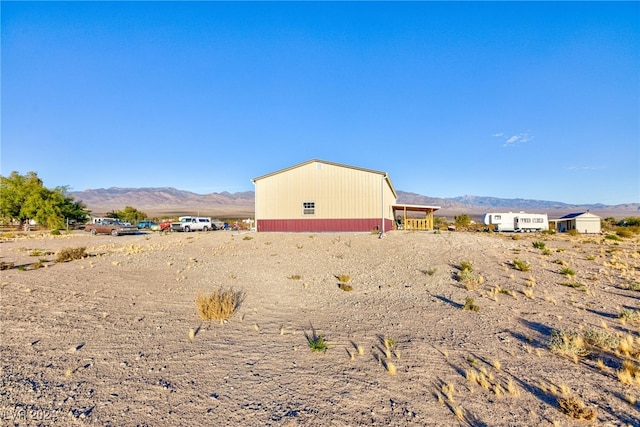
(585, 168)
(510, 141)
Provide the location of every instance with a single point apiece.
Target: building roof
(384, 174)
(415, 208)
(577, 214)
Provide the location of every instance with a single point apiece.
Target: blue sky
(508, 99)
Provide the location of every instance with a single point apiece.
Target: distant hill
(477, 205)
(170, 201)
(167, 201)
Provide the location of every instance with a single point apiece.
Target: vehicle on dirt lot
(166, 225)
(518, 222)
(115, 228)
(147, 224)
(216, 224)
(192, 223)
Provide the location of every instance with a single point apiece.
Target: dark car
(147, 224)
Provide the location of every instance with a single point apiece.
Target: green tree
(24, 197)
(131, 214)
(462, 220)
(439, 222)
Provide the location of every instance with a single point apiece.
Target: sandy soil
(105, 340)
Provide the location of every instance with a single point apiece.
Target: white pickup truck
(192, 223)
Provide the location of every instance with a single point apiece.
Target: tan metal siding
(338, 192)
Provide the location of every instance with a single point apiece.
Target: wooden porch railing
(420, 224)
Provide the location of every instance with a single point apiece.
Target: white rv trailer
(516, 221)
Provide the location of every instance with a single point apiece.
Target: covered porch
(414, 217)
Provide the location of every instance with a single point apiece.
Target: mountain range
(170, 201)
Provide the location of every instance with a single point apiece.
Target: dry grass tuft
(218, 305)
(575, 408)
(70, 254)
(521, 265)
(528, 293)
(390, 367)
(469, 304)
(345, 287)
(470, 280)
(512, 389)
(343, 278)
(630, 371)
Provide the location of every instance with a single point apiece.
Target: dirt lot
(105, 340)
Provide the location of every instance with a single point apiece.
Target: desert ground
(115, 338)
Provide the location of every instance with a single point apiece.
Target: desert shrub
(632, 221)
(430, 271)
(567, 342)
(600, 338)
(575, 408)
(345, 287)
(612, 237)
(247, 238)
(37, 265)
(469, 304)
(36, 252)
(219, 304)
(470, 280)
(6, 265)
(573, 232)
(624, 233)
(574, 285)
(466, 265)
(546, 251)
(521, 265)
(55, 232)
(462, 220)
(317, 342)
(634, 286)
(69, 254)
(628, 314)
(295, 277)
(566, 271)
(539, 245)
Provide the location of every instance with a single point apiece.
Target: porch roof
(415, 208)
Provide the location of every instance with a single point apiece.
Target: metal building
(318, 196)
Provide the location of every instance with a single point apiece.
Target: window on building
(308, 208)
(498, 217)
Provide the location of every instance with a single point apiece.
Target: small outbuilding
(582, 222)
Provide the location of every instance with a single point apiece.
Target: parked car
(147, 224)
(166, 225)
(115, 228)
(216, 224)
(192, 223)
